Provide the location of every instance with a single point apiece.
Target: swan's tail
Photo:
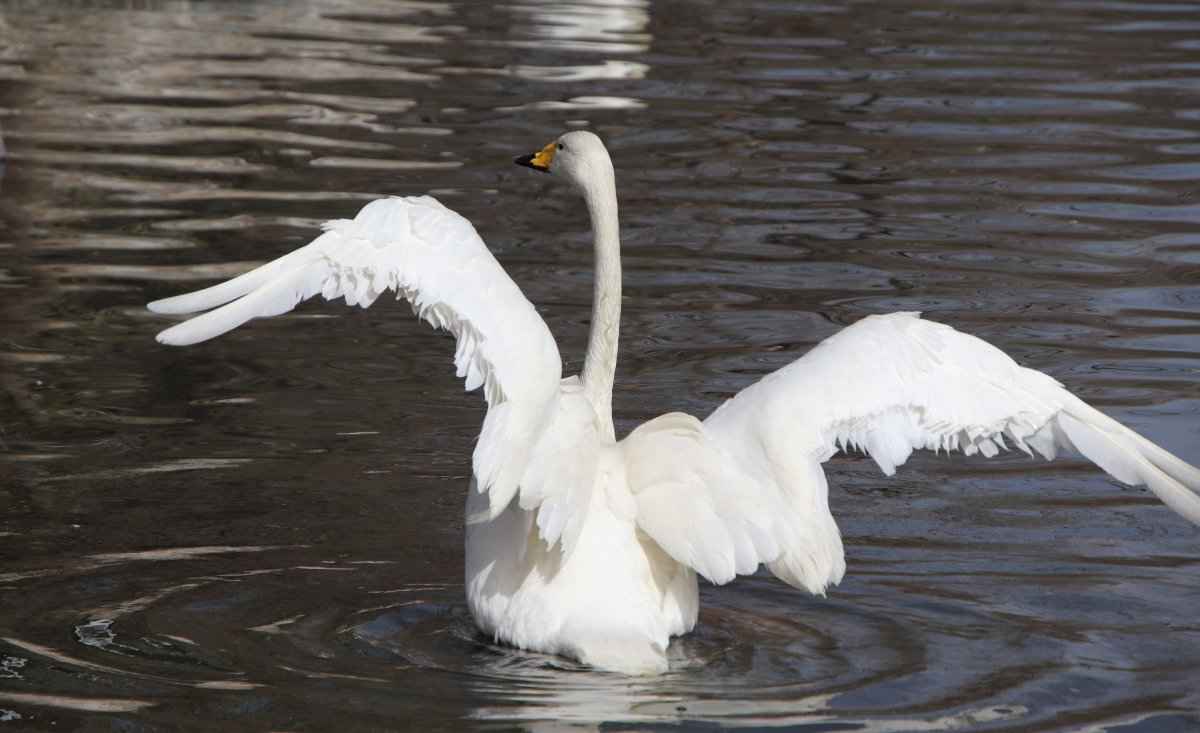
(1131, 458)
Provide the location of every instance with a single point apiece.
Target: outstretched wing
(432, 257)
(890, 384)
(887, 385)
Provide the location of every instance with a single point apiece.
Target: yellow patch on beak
(539, 161)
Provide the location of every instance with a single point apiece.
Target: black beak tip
(527, 161)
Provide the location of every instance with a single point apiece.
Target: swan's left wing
(888, 385)
(433, 258)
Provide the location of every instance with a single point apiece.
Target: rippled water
(264, 532)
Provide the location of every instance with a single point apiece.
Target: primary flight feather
(582, 545)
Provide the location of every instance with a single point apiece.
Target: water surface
(264, 532)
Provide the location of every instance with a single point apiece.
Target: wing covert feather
(692, 502)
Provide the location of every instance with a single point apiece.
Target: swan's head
(578, 156)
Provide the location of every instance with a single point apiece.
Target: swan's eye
(560, 146)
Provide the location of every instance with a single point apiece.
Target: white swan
(582, 545)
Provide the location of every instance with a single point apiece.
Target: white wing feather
(691, 500)
(891, 384)
(887, 385)
(432, 257)
(723, 516)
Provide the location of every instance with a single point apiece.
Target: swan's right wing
(889, 385)
(433, 258)
(746, 486)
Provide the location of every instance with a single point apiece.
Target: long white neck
(600, 364)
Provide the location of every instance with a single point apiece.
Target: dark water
(264, 533)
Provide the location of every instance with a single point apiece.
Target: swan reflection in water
(743, 667)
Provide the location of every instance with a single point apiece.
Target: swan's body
(582, 545)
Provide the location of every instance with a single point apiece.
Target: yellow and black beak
(539, 161)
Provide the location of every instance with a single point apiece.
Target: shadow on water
(264, 532)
